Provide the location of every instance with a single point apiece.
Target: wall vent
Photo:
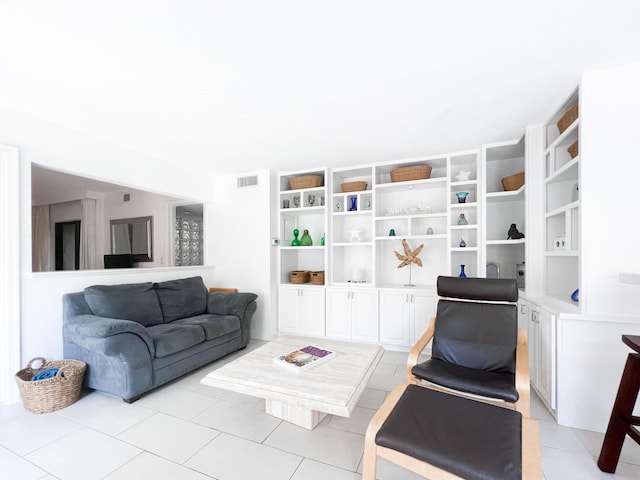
(249, 181)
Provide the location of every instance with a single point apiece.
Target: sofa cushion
(173, 338)
(182, 298)
(132, 301)
(214, 326)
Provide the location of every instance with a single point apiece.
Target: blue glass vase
(354, 204)
(462, 274)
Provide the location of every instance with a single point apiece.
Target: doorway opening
(67, 245)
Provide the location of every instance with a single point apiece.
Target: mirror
(134, 236)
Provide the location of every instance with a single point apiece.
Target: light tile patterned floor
(187, 431)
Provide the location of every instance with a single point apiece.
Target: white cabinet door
(424, 308)
(288, 309)
(301, 310)
(533, 315)
(311, 312)
(352, 314)
(364, 316)
(339, 313)
(547, 366)
(395, 319)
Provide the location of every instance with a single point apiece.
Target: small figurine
(513, 233)
(355, 234)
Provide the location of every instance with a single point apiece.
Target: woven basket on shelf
(353, 186)
(305, 181)
(299, 276)
(568, 118)
(513, 182)
(317, 278)
(573, 149)
(51, 394)
(414, 172)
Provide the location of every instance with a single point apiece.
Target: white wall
(610, 106)
(239, 244)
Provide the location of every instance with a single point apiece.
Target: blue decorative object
(462, 196)
(462, 274)
(575, 296)
(45, 374)
(462, 242)
(354, 204)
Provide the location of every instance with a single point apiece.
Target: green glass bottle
(322, 240)
(306, 239)
(295, 242)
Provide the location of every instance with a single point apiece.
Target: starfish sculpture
(409, 257)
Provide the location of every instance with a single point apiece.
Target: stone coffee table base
(302, 398)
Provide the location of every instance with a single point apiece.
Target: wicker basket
(317, 278)
(573, 149)
(415, 172)
(353, 186)
(513, 182)
(51, 394)
(568, 118)
(300, 276)
(305, 181)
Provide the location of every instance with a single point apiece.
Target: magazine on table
(304, 358)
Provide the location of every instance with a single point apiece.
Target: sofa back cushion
(132, 301)
(182, 298)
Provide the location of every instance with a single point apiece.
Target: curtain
(88, 234)
(40, 239)
(188, 241)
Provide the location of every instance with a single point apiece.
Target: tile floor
(188, 431)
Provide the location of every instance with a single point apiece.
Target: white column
(9, 273)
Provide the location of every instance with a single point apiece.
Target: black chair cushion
(487, 289)
(471, 439)
(483, 336)
(478, 382)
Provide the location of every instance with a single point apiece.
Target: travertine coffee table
(303, 398)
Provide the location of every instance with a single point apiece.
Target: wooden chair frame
(531, 458)
(523, 405)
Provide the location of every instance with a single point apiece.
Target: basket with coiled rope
(54, 385)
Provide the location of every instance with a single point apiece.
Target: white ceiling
(239, 85)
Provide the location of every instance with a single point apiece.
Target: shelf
(438, 182)
(463, 205)
(354, 212)
(509, 196)
(352, 244)
(468, 183)
(562, 253)
(464, 227)
(310, 247)
(296, 210)
(414, 237)
(519, 241)
(464, 249)
(411, 216)
(563, 136)
(568, 172)
(563, 209)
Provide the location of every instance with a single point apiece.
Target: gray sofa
(135, 337)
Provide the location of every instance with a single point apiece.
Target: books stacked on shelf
(304, 358)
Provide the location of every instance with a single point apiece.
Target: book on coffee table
(304, 358)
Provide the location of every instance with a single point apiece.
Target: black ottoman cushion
(471, 439)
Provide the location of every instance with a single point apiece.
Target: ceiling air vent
(249, 181)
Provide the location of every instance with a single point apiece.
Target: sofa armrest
(93, 328)
(224, 303)
(243, 305)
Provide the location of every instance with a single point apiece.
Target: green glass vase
(296, 241)
(306, 239)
